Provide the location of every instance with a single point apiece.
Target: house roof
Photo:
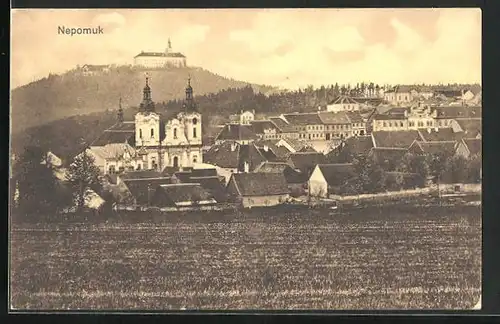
(359, 144)
(236, 132)
(435, 147)
(474, 145)
(449, 92)
(388, 117)
(185, 192)
(354, 116)
(471, 127)
(128, 126)
(294, 176)
(272, 167)
(259, 126)
(331, 118)
(225, 155)
(260, 184)
(281, 153)
(253, 156)
(143, 189)
(449, 112)
(204, 173)
(159, 54)
(281, 124)
(115, 137)
(336, 174)
(306, 161)
(142, 174)
(439, 135)
(401, 89)
(343, 100)
(296, 144)
(112, 151)
(395, 139)
(93, 67)
(303, 119)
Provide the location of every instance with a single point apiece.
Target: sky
(289, 48)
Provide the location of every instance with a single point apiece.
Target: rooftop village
(264, 162)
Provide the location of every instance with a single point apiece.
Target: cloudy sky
(284, 47)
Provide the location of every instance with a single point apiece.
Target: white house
(326, 177)
(343, 103)
(160, 59)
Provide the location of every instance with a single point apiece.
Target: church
(155, 60)
(151, 141)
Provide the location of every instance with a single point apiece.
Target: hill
(72, 93)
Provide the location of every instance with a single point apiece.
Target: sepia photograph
(245, 159)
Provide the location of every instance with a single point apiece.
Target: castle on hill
(151, 141)
(165, 59)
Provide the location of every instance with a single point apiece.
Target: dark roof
(236, 132)
(251, 155)
(272, 167)
(306, 161)
(439, 135)
(450, 93)
(401, 89)
(449, 112)
(435, 147)
(354, 116)
(128, 126)
(281, 124)
(471, 127)
(307, 149)
(388, 117)
(294, 176)
(139, 188)
(281, 153)
(142, 174)
(185, 192)
(304, 119)
(337, 174)
(93, 67)
(359, 144)
(203, 173)
(259, 126)
(223, 155)
(331, 118)
(260, 184)
(390, 155)
(115, 137)
(395, 139)
(160, 54)
(474, 145)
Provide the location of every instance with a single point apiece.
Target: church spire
(189, 104)
(120, 111)
(147, 104)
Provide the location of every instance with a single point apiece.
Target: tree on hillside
(36, 182)
(415, 163)
(369, 175)
(437, 165)
(83, 175)
(456, 170)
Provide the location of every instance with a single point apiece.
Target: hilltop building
(165, 59)
(151, 141)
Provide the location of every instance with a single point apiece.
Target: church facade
(151, 141)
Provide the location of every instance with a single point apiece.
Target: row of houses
(403, 94)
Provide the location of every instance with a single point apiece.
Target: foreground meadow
(385, 258)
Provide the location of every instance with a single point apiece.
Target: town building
(258, 189)
(400, 95)
(151, 141)
(154, 60)
(243, 118)
(343, 103)
(469, 148)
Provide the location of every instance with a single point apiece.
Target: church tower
(147, 121)
(119, 114)
(192, 125)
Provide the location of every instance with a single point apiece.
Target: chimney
(246, 167)
(266, 148)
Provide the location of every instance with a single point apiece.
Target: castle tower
(147, 105)
(119, 114)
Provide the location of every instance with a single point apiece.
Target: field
(386, 258)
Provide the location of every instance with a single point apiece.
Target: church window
(176, 162)
(111, 169)
(140, 133)
(194, 132)
(152, 132)
(175, 133)
(195, 159)
(121, 169)
(138, 167)
(195, 121)
(401, 124)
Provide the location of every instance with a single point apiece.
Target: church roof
(115, 137)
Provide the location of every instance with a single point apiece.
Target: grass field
(388, 258)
